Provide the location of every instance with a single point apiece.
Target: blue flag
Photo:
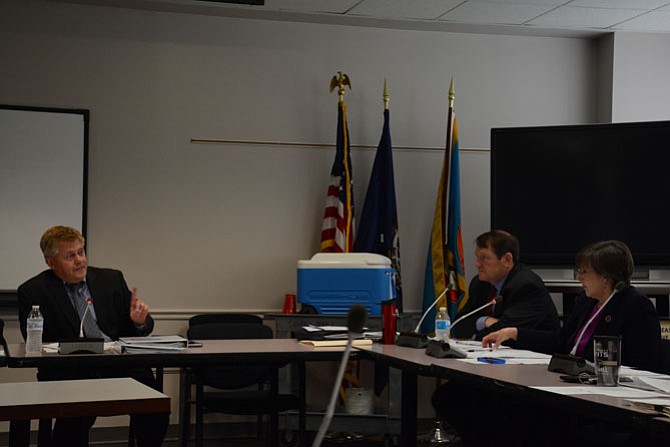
(378, 225)
(444, 266)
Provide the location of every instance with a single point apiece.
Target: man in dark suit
(525, 300)
(62, 292)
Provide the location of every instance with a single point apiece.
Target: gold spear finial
(452, 94)
(386, 96)
(340, 81)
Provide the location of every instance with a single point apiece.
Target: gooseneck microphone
(83, 318)
(355, 323)
(423, 317)
(496, 300)
(414, 339)
(618, 287)
(84, 344)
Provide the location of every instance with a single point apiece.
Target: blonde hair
(54, 235)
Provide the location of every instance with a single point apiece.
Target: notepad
(335, 343)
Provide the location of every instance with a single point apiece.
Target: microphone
(355, 322)
(496, 300)
(83, 318)
(618, 287)
(423, 317)
(82, 345)
(414, 339)
(356, 319)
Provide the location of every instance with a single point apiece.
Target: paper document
(613, 391)
(152, 343)
(154, 339)
(335, 343)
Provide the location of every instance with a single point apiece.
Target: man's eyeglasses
(72, 254)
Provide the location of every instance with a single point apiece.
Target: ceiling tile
(523, 2)
(403, 9)
(654, 21)
(577, 17)
(338, 7)
(495, 12)
(620, 4)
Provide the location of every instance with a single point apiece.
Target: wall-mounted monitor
(559, 188)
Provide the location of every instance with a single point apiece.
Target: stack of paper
(153, 343)
(335, 343)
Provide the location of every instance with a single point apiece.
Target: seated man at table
(525, 300)
(62, 292)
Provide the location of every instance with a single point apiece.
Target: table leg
(184, 407)
(408, 409)
(19, 433)
(302, 392)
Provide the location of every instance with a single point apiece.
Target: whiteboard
(43, 173)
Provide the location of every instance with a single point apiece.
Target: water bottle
(35, 326)
(442, 324)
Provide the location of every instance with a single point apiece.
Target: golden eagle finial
(340, 81)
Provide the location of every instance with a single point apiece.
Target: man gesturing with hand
(62, 292)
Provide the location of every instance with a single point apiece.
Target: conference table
(74, 398)
(211, 353)
(514, 381)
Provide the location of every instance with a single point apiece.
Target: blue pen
(492, 360)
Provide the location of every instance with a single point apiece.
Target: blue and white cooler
(330, 283)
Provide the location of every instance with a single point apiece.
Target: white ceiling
(536, 17)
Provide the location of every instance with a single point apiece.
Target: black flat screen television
(559, 188)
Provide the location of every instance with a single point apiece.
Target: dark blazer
(111, 301)
(525, 303)
(629, 314)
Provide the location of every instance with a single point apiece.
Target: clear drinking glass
(607, 354)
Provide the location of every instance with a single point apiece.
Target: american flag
(337, 232)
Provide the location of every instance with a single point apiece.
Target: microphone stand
(82, 345)
(495, 300)
(414, 339)
(83, 318)
(333, 397)
(355, 322)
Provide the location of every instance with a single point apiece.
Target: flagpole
(446, 169)
(386, 96)
(340, 81)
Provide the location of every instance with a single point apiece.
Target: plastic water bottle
(35, 327)
(442, 324)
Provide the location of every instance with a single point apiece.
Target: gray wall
(641, 74)
(222, 226)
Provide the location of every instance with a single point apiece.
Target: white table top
(96, 397)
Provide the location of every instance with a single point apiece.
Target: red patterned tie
(489, 309)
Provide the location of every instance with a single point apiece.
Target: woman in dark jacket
(609, 305)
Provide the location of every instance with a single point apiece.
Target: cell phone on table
(491, 360)
(193, 344)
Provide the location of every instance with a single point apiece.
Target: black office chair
(250, 389)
